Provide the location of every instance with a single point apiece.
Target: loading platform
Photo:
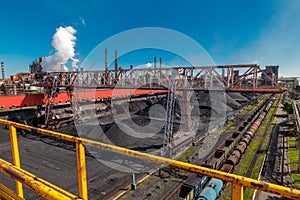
(51, 191)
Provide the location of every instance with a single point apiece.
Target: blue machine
(207, 193)
(212, 191)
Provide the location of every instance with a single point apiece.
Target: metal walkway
(51, 191)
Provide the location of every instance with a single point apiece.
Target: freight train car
(238, 150)
(193, 185)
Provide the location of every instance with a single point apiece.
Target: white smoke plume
(63, 41)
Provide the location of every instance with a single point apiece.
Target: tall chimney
(116, 64)
(131, 67)
(160, 66)
(106, 60)
(160, 63)
(154, 64)
(2, 69)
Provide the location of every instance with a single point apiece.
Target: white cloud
(63, 41)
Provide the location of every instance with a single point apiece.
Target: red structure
(29, 100)
(19, 101)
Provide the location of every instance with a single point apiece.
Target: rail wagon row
(240, 148)
(230, 151)
(225, 148)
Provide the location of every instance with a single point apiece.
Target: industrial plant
(207, 120)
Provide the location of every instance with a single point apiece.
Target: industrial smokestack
(2, 69)
(116, 64)
(131, 67)
(106, 60)
(160, 66)
(154, 64)
(160, 63)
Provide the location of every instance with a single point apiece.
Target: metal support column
(133, 185)
(187, 108)
(255, 78)
(170, 107)
(116, 65)
(15, 157)
(81, 170)
(237, 191)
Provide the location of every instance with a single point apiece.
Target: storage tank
(216, 184)
(207, 193)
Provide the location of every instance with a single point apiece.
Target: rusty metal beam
(257, 90)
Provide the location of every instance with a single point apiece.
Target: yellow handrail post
(15, 156)
(36, 184)
(81, 170)
(237, 191)
(7, 193)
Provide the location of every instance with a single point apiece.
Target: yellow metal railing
(52, 192)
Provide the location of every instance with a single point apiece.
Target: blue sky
(232, 31)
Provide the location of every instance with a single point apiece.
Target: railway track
(172, 194)
(253, 161)
(241, 124)
(270, 159)
(297, 114)
(228, 142)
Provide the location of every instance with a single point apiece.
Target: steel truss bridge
(203, 78)
(185, 79)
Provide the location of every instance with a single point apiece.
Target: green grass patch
(291, 141)
(185, 154)
(226, 194)
(293, 152)
(296, 178)
(288, 107)
(41, 91)
(293, 157)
